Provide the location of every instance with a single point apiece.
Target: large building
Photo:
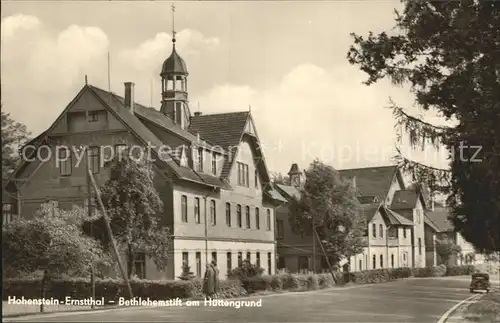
(211, 173)
(395, 235)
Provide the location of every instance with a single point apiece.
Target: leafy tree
(53, 240)
(135, 211)
(446, 248)
(278, 178)
(330, 204)
(447, 53)
(186, 274)
(14, 135)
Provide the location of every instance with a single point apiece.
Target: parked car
(480, 281)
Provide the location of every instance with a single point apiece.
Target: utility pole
(326, 256)
(110, 234)
(313, 246)
(89, 210)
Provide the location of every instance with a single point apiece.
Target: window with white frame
(7, 215)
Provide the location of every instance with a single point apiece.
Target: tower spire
(173, 24)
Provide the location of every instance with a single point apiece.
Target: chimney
(129, 96)
(197, 114)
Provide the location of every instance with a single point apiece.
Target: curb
(449, 317)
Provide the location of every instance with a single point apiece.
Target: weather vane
(173, 23)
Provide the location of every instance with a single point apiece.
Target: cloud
(317, 113)
(42, 70)
(13, 24)
(150, 54)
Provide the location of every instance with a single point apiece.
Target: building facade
(395, 235)
(210, 171)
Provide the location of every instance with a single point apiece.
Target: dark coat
(216, 279)
(209, 281)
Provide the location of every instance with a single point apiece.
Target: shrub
(277, 283)
(112, 289)
(246, 270)
(186, 274)
(312, 282)
(460, 270)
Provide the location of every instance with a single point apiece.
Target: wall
(222, 248)
(419, 233)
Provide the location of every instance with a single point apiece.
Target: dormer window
(200, 159)
(214, 163)
(92, 116)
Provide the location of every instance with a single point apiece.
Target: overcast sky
(285, 59)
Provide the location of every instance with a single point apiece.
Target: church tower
(295, 176)
(174, 95)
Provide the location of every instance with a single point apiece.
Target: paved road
(412, 300)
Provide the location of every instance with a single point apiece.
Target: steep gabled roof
(395, 218)
(149, 114)
(440, 219)
(431, 223)
(369, 210)
(404, 200)
(287, 191)
(372, 181)
(221, 129)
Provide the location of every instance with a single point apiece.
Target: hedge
(160, 290)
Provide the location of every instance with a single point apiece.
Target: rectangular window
(238, 216)
(404, 233)
(139, 264)
(247, 215)
(214, 256)
(247, 177)
(374, 260)
(184, 209)
(374, 230)
(381, 230)
(93, 206)
(6, 213)
(94, 159)
(214, 163)
(279, 229)
(185, 258)
(200, 159)
(240, 259)
(198, 264)
(257, 218)
(243, 176)
(197, 217)
(269, 263)
(256, 179)
(257, 259)
(360, 265)
(229, 263)
(213, 215)
(381, 261)
(419, 246)
(392, 261)
(64, 162)
(268, 220)
(228, 214)
(92, 116)
(248, 256)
